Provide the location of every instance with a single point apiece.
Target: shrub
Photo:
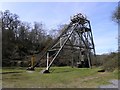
(111, 62)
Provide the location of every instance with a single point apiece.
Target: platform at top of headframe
(79, 18)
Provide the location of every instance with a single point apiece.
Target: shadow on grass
(62, 71)
(9, 72)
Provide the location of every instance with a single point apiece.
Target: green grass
(0, 78)
(60, 77)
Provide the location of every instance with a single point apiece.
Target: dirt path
(114, 84)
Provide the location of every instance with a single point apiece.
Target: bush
(111, 62)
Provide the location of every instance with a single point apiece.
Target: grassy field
(60, 77)
(0, 78)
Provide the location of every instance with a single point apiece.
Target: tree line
(20, 39)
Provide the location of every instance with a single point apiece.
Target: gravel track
(114, 84)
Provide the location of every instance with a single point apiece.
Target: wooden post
(32, 60)
(72, 59)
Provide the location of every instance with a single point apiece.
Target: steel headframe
(78, 36)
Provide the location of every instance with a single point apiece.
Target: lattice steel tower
(76, 37)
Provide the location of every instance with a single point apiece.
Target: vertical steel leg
(47, 60)
(89, 61)
(60, 42)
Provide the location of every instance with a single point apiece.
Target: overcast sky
(52, 14)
